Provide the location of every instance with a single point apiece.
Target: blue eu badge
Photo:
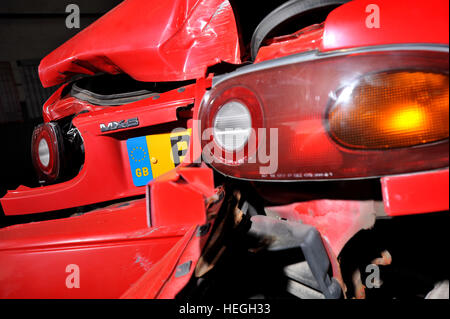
(141, 169)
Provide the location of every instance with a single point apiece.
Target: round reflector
(232, 126)
(44, 152)
(46, 147)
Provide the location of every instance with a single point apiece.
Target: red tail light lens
(46, 149)
(348, 114)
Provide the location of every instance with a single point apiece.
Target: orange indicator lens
(391, 110)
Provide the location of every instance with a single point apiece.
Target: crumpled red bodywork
(345, 28)
(134, 249)
(129, 238)
(152, 41)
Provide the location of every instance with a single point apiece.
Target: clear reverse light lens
(232, 126)
(44, 152)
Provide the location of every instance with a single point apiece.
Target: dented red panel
(115, 250)
(58, 106)
(307, 39)
(149, 285)
(106, 166)
(352, 26)
(111, 248)
(182, 196)
(336, 220)
(149, 40)
(179, 196)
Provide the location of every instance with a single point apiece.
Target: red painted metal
(409, 194)
(401, 21)
(106, 167)
(336, 220)
(113, 247)
(194, 154)
(151, 41)
(307, 39)
(191, 256)
(132, 249)
(345, 28)
(150, 284)
(58, 107)
(115, 250)
(179, 195)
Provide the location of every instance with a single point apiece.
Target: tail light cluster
(57, 151)
(348, 114)
(46, 151)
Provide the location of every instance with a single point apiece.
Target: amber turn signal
(391, 110)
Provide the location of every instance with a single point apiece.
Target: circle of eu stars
(138, 154)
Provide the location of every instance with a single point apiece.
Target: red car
(188, 160)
